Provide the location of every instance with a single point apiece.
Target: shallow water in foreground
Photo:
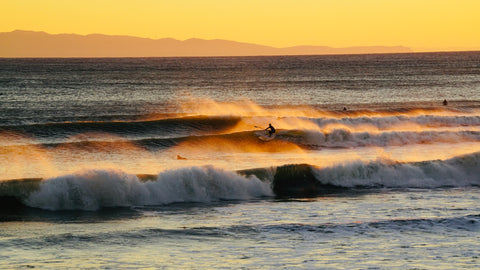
(436, 228)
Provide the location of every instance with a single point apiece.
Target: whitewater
(156, 162)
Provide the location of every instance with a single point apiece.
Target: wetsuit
(270, 129)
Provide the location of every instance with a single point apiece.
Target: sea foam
(456, 172)
(95, 189)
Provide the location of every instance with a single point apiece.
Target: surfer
(270, 130)
(445, 102)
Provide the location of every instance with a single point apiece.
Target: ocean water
(157, 162)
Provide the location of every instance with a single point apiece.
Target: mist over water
(151, 162)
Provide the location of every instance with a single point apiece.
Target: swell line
(337, 138)
(165, 128)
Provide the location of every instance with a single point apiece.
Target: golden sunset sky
(418, 24)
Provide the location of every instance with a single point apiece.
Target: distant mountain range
(40, 44)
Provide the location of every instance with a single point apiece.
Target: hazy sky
(419, 24)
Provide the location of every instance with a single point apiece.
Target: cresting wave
(285, 140)
(387, 122)
(164, 128)
(307, 133)
(338, 138)
(96, 189)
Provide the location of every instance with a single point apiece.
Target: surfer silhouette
(270, 130)
(445, 102)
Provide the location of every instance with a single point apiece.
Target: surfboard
(264, 137)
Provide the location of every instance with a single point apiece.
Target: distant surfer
(445, 102)
(270, 130)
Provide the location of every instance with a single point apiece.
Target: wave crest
(456, 172)
(92, 190)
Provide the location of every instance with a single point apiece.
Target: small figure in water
(344, 109)
(270, 130)
(445, 102)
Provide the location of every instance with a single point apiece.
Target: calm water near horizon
(158, 163)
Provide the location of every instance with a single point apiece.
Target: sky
(423, 25)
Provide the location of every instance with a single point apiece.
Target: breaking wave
(333, 130)
(96, 189)
(337, 138)
(388, 122)
(341, 138)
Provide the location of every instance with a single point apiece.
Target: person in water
(270, 130)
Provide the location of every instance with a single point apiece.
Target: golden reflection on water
(239, 148)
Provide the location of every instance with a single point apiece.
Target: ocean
(163, 163)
